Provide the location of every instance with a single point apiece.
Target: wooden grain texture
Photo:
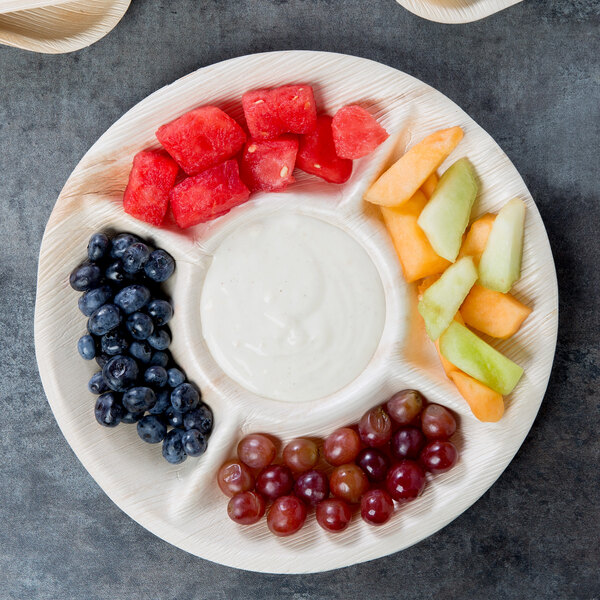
(456, 11)
(182, 504)
(57, 26)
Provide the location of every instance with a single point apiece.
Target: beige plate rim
(456, 11)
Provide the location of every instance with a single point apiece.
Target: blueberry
(139, 399)
(200, 418)
(114, 342)
(104, 319)
(85, 277)
(97, 385)
(160, 358)
(132, 298)
(159, 339)
(135, 257)
(115, 272)
(152, 429)
(156, 376)
(194, 442)
(161, 311)
(160, 266)
(163, 401)
(130, 417)
(141, 351)
(120, 373)
(174, 417)
(102, 359)
(121, 242)
(94, 299)
(175, 377)
(108, 410)
(98, 246)
(140, 326)
(87, 347)
(172, 448)
(185, 397)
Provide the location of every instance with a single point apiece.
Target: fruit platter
(295, 311)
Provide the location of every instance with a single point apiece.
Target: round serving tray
(182, 504)
(456, 11)
(57, 26)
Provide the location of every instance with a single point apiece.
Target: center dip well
(292, 307)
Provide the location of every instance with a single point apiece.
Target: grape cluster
(378, 464)
(138, 381)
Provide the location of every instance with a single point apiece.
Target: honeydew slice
(500, 264)
(447, 213)
(441, 301)
(399, 183)
(471, 354)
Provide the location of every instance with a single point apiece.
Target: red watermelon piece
(201, 138)
(151, 179)
(355, 132)
(267, 165)
(287, 109)
(317, 156)
(208, 195)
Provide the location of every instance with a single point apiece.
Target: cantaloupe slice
(476, 238)
(412, 246)
(399, 183)
(497, 314)
(486, 404)
(428, 186)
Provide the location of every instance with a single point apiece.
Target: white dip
(292, 307)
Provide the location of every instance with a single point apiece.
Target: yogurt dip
(292, 307)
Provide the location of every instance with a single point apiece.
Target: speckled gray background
(530, 76)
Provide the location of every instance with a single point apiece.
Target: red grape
(407, 443)
(234, 477)
(376, 507)
(405, 406)
(341, 446)
(256, 450)
(287, 515)
(312, 487)
(405, 480)
(301, 455)
(374, 463)
(274, 481)
(437, 422)
(348, 482)
(375, 427)
(246, 508)
(333, 514)
(439, 456)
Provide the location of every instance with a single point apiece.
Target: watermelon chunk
(201, 138)
(287, 109)
(355, 132)
(151, 179)
(317, 156)
(208, 195)
(267, 165)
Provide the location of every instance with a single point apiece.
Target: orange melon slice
(429, 185)
(486, 404)
(416, 255)
(399, 183)
(476, 239)
(497, 314)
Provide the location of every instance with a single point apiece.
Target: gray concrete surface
(530, 76)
